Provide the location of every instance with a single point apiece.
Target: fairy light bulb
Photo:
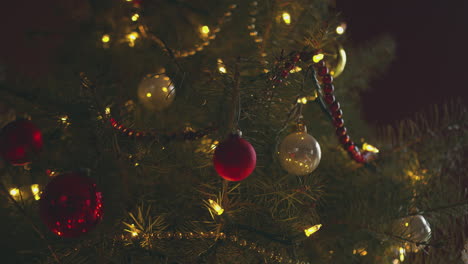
(35, 191)
(14, 192)
(302, 100)
(221, 67)
(311, 230)
(204, 30)
(216, 207)
(135, 17)
(370, 148)
(286, 18)
(402, 254)
(341, 29)
(105, 38)
(131, 38)
(318, 57)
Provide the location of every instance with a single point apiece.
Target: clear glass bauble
(299, 153)
(335, 58)
(156, 92)
(415, 229)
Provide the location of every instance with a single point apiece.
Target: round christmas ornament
(413, 228)
(71, 205)
(234, 158)
(156, 92)
(299, 152)
(335, 58)
(20, 141)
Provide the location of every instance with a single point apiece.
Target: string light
(35, 191)
(286, 18)
(311, 230)
(148, 95)
(296, 69)
(204, 30)
(370, 148)
(135, 17)
(14, 192)
(131, 38)
(318, 57)
(221, 66)
(361, 252)
(302, 100)
(340, 30)
(216, 207)
(402, 254)
(105, 38)
(107, 110)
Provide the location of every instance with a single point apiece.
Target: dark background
(431, 36)
(432, 53)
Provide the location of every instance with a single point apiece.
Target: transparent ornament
(299, 153)
(156, 92)
(415, 229)
(335, 58)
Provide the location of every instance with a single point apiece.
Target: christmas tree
(219, 132)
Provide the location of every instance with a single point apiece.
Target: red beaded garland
(328, 88)
(341, 131)
(327, 78)
(338, 122)
(329, 98)
(344, 139)
(334, 106)
(322, 71)
(337, 114)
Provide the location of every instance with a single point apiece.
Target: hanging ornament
(334, 56)
(71, 205)
(234, 158)
(20, 141)
(299, 152)
(156, 92)
(415, 229)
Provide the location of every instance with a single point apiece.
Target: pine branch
(30, 221)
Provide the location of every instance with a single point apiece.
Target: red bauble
(71, 205)
(234, 159)
(20, 140)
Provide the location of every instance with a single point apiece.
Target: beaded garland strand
(334, 108)
(168, 235)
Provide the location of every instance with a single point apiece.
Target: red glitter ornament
(20, 140)
(71, 205)
(234, 159)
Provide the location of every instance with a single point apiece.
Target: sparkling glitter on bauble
(234, 158)
(156, 92)
(415, 229)
(71, 205)
(299, 153)
(20, 142)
